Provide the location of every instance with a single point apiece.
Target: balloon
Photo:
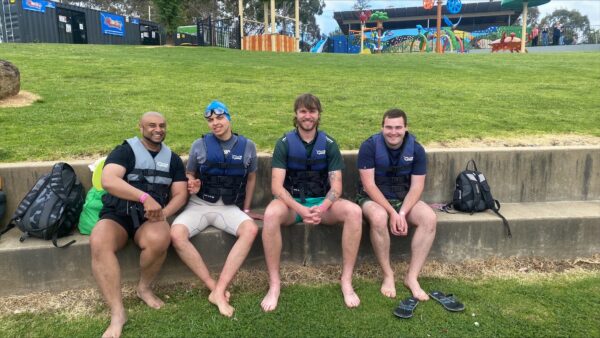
(454, 6)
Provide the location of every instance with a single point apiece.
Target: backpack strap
(475, 187)
(54, 241)
(494, 205)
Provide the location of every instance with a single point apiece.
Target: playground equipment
(271, 41)
(318, 47)
(453, 6)
(516, 4)
(376, 33)
(511, 44)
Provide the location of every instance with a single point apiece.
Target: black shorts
(123, 220)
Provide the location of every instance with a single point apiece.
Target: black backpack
(472, 193)
(52, 207)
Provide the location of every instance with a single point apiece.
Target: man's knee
(274, 214)
(179, 235)
(352, 213)
(248, 229)
(378, 221)
(106, 237)
(155, 239)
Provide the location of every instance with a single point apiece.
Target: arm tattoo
(332, 195)
(280, 196)
(333, 177)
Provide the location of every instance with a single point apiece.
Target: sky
(591, 8)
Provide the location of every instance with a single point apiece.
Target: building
(52, 22)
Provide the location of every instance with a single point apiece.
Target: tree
(361, 5)
(169, 16)
(533, 15)
(577, 26)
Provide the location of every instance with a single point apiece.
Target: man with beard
(392, 167)
(221, 175)
(145, 184)
(307, 184)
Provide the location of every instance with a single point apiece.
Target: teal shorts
(310, 202)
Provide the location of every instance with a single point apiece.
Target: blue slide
(318, 47)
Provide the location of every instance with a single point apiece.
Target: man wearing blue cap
(221, 173)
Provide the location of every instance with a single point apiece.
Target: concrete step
(550, 229)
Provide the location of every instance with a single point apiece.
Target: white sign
(62, 18)
(68, 28)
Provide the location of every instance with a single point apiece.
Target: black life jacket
(393, 179)
(150, 174)
(223, 176)
(306, 176)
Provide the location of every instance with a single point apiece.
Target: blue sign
(135, 21)
(112, 24)
(37, 5)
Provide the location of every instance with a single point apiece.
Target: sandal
(448, 301)
(406, 308)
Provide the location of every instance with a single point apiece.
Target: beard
(151, 141)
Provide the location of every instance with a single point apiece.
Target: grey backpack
(52, 207)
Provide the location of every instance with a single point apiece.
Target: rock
(10, 79)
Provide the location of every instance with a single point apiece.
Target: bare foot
(149, 298)
(388, 287)
(269, 303)
(350, 297)
(221, 301)
(416, 290)
(117, 321)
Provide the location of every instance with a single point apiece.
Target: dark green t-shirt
(334, 157)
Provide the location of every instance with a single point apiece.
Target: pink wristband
(323, 209)
(144, 197)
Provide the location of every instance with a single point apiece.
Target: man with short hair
(145, 183)
(392, 167)
(221, 173)
(307, 184)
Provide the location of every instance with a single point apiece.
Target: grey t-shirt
(198, 153)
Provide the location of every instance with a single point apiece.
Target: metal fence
(218, 33)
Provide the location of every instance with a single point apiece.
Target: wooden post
(273, 29)
(524, 28)
(241, 14)
(297, 30)
(438, 42)
(266, 20)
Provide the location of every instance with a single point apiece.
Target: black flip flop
(448, 301)
(406, 307)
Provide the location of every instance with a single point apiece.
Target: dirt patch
(526, 141)
(23, 99)
(83, 302)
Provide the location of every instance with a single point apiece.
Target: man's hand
(310, 215)
(398, 224)
(152, 210)
(193, 186)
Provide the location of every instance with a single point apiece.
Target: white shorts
(198, 214)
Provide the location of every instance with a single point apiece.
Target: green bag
(91, 210)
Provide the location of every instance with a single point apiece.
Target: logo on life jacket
(236, 157)
(321, 152)
(162, 164)
(408, 158)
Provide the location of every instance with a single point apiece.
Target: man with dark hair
(145, 183)
(221, 175)
(392, 167)
(307, 184)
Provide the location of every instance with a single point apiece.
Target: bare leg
(380, 240)
(423, 217)
(190, 256)
(276, 214)
(106, 239)
(351, 215)
(153, 239)
(247, 232)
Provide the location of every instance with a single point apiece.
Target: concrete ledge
(551, 229)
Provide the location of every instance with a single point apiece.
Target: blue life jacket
(150, 174)
(306, 176)
(223, 176)
(393, 177)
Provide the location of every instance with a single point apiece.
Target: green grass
(557, 305)
(93, 95)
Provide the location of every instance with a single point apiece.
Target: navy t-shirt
(366, 156)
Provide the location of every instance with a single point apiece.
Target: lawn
(92, 95)
(549, 305)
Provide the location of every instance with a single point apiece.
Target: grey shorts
(198, 214)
